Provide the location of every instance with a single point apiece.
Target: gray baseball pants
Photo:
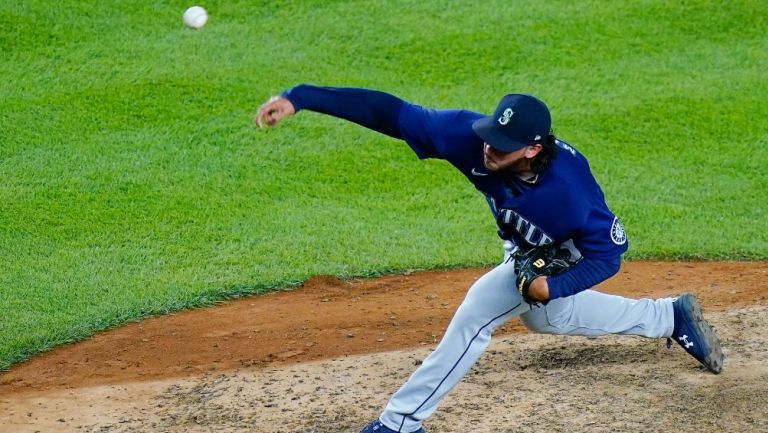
(491, 302)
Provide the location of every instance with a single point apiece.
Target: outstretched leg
(490, 302)
(593, 313)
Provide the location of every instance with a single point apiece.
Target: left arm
(587, 273)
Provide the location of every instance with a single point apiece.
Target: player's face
(517, 161)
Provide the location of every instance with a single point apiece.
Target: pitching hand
(274, 110)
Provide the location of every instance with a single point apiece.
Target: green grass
(134, 184)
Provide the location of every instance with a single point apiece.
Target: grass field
(134, 184)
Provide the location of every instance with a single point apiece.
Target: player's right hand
(274, 110)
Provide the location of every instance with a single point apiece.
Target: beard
(515, 166)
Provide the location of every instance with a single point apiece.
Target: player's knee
(538, 323)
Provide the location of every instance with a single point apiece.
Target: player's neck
(523, 171)
(529, 177)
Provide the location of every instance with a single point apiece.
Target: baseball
(195, 17)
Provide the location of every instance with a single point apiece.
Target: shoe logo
(477, 173)
(686, 343)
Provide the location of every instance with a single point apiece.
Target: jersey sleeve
(586, 274)
(372, 109)
(602, 237)
(594, 228)
(444, 134)
(601, 242)
(436, 133)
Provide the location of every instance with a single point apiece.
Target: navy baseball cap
(519, 120)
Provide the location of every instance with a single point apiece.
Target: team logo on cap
(618, 236)
(504, 119)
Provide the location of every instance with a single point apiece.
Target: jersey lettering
(530, 232)
(566, 147)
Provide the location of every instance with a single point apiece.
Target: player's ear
(532, 150)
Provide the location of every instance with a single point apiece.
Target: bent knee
(550, 319)
(538, 323)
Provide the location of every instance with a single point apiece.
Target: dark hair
(547, 154)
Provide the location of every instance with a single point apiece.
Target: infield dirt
(325, 357)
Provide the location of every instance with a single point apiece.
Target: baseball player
(560, 237)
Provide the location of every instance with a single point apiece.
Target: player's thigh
(551, 318)
(583, 313)
(492, 295)
(593, 313)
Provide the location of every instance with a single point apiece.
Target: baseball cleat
(694, 334)
(378, 427)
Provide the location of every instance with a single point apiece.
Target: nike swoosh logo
(477, 173)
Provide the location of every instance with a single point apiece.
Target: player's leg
(593, 313)
(490, 302)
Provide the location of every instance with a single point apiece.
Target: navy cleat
(378, 427)
(694, 334)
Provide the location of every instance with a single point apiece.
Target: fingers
(262, 113)
(272, 111)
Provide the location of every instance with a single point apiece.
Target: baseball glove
(536, 262)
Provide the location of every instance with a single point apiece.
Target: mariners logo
(506, 116)
(617, 233)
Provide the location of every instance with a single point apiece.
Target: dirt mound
(325, 357)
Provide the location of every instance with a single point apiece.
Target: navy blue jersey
(565, 203)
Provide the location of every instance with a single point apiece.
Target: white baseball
(195, 17)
